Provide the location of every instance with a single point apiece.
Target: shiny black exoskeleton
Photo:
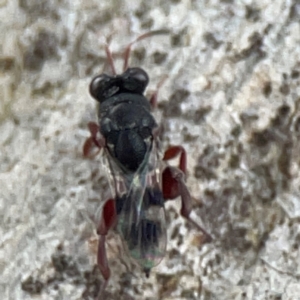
(126, 122)
(142, 180)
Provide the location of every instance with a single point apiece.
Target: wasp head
(133, 80)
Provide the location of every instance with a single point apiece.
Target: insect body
(142, 180)
(125, 119)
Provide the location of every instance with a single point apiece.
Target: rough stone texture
(231, 98)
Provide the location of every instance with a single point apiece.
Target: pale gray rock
(231, 99)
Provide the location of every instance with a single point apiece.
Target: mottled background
(231, 98)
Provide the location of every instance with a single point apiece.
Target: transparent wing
(144, 233)
(141, 214)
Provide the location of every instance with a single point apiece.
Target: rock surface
(231, 98)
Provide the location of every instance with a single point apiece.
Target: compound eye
(138, 74)
(100, 88)
(136, 80)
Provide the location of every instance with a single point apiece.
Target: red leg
(153, 98)
(174, 151)
(92, 141)
(108, 220)
(174, 185)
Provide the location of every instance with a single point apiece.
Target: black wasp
(142, 180)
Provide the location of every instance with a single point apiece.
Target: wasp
(143, 181)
